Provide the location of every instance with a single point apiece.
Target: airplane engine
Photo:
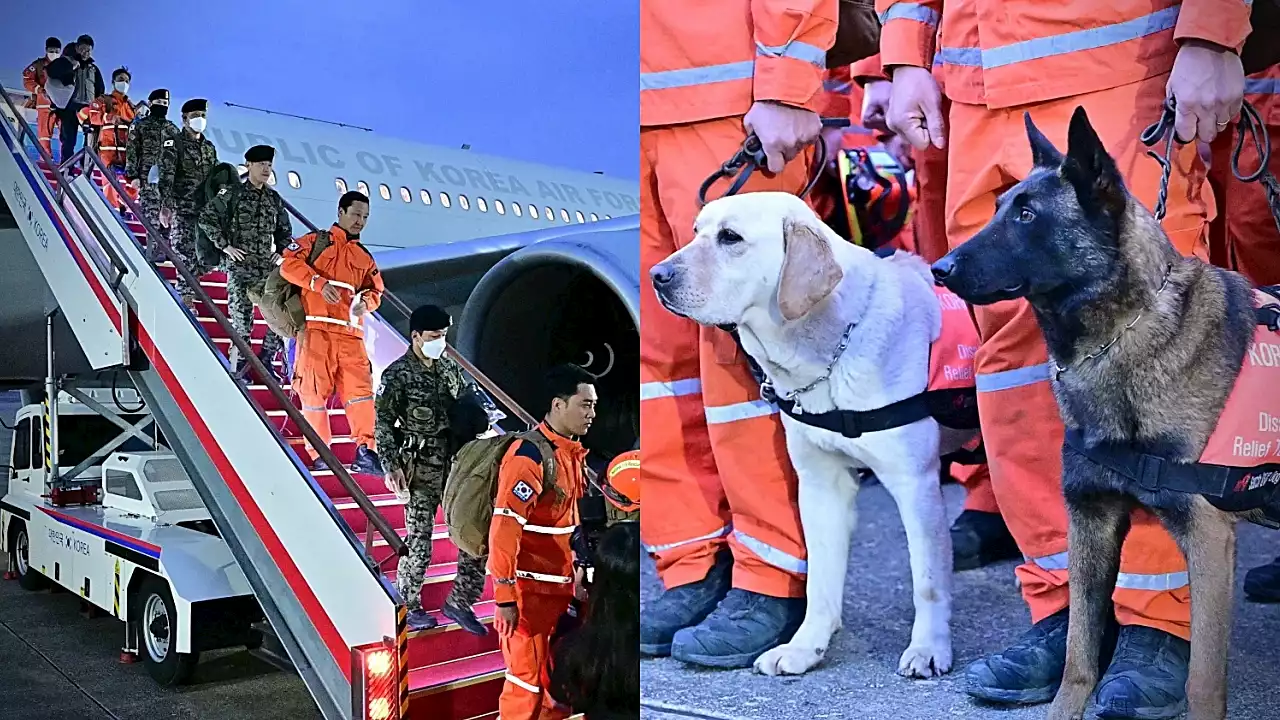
(573, 299)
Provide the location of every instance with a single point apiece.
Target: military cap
(161, 95)
(260, 153)
(429, 318)
(197, 105)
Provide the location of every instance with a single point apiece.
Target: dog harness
(1239, 468)
(950, 396)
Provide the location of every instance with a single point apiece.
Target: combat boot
(1147, 678)
(742, 628)
(981, 538)
(1262, 584)
(367, 462)
(269, 361)
(1027, 672)
(420, 620)
(466, 619)
(319, 465)
(684, 606)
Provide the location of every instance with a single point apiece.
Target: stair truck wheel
(19, 558)
(155, 618)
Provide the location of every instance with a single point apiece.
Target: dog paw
(788, 660)
(924, 662)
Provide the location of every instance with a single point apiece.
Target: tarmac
(857, 679)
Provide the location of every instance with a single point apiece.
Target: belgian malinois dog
(1145, 346)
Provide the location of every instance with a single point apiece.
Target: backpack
(281, 303)
(222, 175)
(472, 487)
(857, 35)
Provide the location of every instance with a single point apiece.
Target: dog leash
(751, 156)
(1249, 122)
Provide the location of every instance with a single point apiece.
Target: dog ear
(809, 270)
(1043, 153)
(1090, 168)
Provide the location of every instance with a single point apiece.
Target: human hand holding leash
(1207, 86)
(784, 131)
(915, 108)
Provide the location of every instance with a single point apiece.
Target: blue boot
(1029, 671)
(683, 606)
(366, 462)
(1147, 679)
(743, 627)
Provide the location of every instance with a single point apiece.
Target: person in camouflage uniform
(249, 223)
(150, 135)
(183, 167)
(412, 435)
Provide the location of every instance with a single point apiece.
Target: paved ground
(58, 665)
(857, 680)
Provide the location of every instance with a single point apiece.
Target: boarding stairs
(320, 548)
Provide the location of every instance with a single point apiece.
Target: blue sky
(552, 81)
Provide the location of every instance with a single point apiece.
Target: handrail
(400, 306)
(24, 130)
(339, 470)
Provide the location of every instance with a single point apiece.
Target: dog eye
(728, 237)
(1025, 215)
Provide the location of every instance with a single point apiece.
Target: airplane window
(341, 185)
(498, 206)
(564, 215)
(295, 180)
(533, 211)
(384, 191)
(608, 217)
(363, 187)
(444, 198)
(551, 214)
(482, 205)
(463, 202)
(578, 215)
(515, 207)
(405, 195)
(426, 197)
(595, 217)
(271, 179)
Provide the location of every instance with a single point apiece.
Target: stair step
(463, 688)
(448, 641)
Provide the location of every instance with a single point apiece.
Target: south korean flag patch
(522, 491)
(294, 246)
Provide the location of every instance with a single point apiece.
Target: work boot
(319, 465)
(420, 620)
(1148, 676)
(1027, 672)
(684, 606)
(466, 619)
(269, 360)
(367, 462)
(1262, 584)
(980, 538)
(742, 628)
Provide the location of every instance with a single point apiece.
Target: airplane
(497, 242)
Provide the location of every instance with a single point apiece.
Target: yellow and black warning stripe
(402, 655)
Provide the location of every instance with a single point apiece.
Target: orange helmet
(622, 481)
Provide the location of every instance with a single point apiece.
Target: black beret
(160, 94)
(260, 153)
(197, 105)
(429, 318)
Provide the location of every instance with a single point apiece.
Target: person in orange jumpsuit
(33, 79)
(530, 558)
(338, 289)
(1001, 61)
(111, 116)
(726, 537)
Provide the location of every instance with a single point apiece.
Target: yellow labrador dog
(833, 327)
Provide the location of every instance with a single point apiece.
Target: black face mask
(159, 111)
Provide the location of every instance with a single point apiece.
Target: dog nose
(943, 269)
(661, 275)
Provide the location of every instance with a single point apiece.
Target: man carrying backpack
(183, 168)
(147, 142)
(250, 225)
(530, 557)
(412, 432)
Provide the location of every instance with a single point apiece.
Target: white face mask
(197, 124)
(52, 55)
(122, 88)
(433, 348)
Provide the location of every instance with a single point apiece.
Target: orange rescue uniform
(331, 352)
(711, 447)
(34, 79)
(532, 565)
(111, 116)
(999, 61)
(1252, 241)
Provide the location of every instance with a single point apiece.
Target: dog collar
(1059, 369)
(769, 394)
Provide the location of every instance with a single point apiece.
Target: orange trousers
(712, 450)
(327, 361)
(1021, 426)
(1252, 240)
(527, 656)
(46, 121)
